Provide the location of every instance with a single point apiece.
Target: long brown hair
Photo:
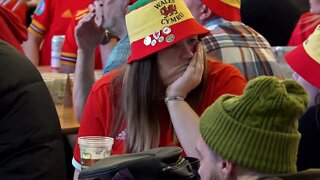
(141, 94)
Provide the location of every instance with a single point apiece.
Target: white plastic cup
(71, 78)
(94, 148)
(56, 46)
(57, 90)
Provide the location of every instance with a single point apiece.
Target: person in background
(231, 41)
(306, 24)
(253, 136)
(112, 14)
(12, 31)
(167, 65)
(305, 62)
(50, 18)
(70, 48)
(31, 143)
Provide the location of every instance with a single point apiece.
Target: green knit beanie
(258, 130)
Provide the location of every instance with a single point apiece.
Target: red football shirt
(69, 48)
(98, 113)
(52, 17)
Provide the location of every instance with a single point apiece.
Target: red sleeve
(97, 113)
(302, 30)
(92, 122)
(42, 17)
(69, 48)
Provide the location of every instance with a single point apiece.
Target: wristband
(173, 98)
(107, 37)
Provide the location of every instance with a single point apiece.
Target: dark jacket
(31, 145)
(310, 174)
(309, 146)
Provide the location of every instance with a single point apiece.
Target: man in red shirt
(50, 18)
(70, 48)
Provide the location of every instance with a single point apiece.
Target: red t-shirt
(52, 17)
(12, 30)
(222, 79)
(303, 29)
(21, 12)
(69, 48)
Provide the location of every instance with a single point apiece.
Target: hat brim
(223, 10)
(181, 31)
(299, 60)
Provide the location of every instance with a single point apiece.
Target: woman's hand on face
(4, 3)
(191, 78)
(88, 34)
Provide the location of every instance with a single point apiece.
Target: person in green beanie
(253, 135)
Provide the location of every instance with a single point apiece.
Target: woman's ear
(227, 169)
(205, 13)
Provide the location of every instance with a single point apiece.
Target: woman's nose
(186, 50)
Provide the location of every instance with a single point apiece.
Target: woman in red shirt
(167, 66)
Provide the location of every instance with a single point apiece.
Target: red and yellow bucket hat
(305, 59)
(154, 25)
(227, 9)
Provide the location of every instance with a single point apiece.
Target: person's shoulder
(13, 61)
(230, 28)
(107, 80)
(243, 28)
(233, 27)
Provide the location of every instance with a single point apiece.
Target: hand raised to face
(98, 7)
(192, 76)
(88, 34)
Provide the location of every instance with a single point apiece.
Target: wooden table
(46, 69)
(68, 122)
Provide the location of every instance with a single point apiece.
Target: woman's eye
(172, 46)
(193, 41)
